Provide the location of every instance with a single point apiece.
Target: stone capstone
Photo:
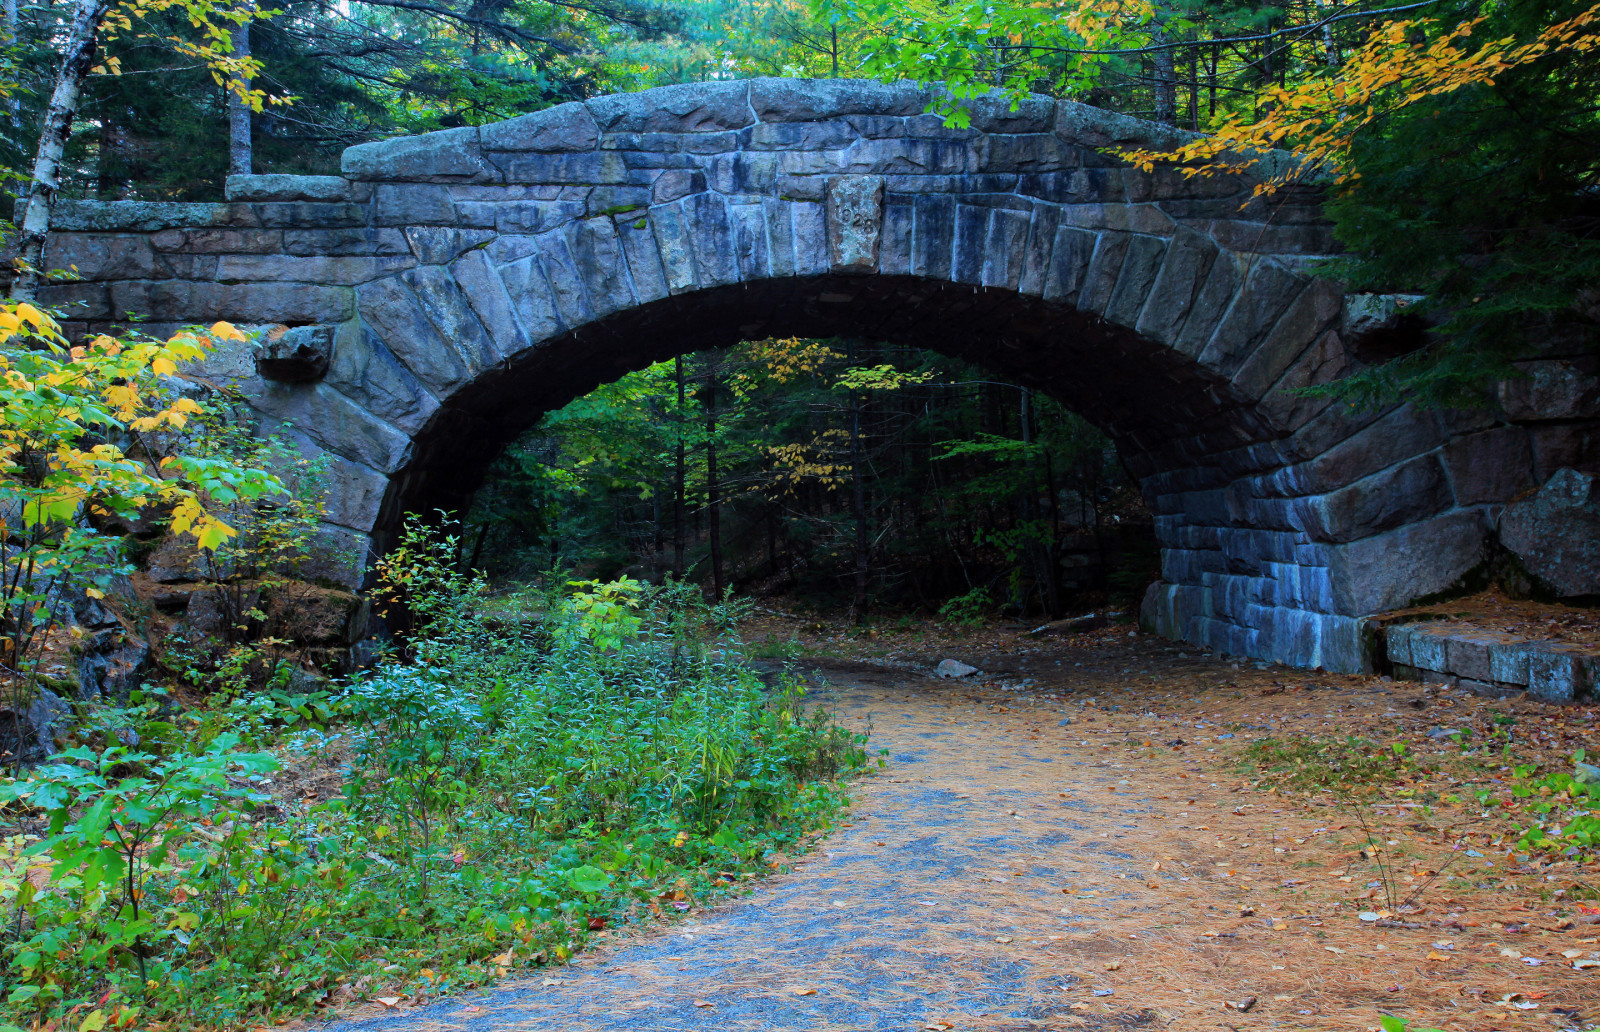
(289, 188)
(1556, 534)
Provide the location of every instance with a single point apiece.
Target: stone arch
(449, 287)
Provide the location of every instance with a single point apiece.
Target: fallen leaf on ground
(804, 992)
(704, 1003)
(389, 1001)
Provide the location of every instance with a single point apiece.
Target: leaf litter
(988, 880)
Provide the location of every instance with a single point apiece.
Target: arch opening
(1161, 410)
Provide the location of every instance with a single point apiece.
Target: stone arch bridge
(447, 289)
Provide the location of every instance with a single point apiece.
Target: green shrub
(508, 790)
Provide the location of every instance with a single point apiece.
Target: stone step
(1487, 662)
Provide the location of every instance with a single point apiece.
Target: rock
(1556, 534)
(954, 668)
(176, 558)
(211, 610)
(1381, 323)
(297, 355)
(1439, 734)
(1064, 722)
(28, 734)
(311, 615)
(1586, 774)
(113, 666)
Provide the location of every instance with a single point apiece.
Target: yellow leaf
(226, 331)
(164, 366)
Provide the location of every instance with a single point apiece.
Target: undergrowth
(510, 789)
(1553, 812)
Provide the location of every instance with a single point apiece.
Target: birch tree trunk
(78, 56)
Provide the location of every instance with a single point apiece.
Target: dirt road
(1064, 846)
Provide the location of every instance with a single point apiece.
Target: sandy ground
(1071, 841)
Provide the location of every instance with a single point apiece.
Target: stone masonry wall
(445, 290)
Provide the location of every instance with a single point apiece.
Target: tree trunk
(713, 498)
(1166, 81)
(858, 512)
(677, 485)
(14, 102)
(239, 144)
(78, 55)
(1044, 555)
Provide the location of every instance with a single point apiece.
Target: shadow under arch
(1160, 408)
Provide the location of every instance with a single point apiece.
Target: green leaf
(588, 879)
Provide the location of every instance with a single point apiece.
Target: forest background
(851, 471)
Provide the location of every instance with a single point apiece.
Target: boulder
(954, 668)
(1556, 534)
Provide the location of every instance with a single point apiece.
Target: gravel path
(940, 905)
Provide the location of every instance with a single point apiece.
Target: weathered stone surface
(449, 155)
(282, 268)
(297, 355)
(1557, 673)
(446, 306)
(1490, 467)
(334, 421)
(439, 245)
(855, 221)
(288, 188)
(309, 215)
(1553, 388)
(367, 240)
(414, 204)
(269, 301)
(1387, 571)
(486, 293)
(364, 370)
(1556, 534)
(1135, 279)
(146, 216)
(393, 312)
(565, 127)
(695, 107)
(809, 100)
